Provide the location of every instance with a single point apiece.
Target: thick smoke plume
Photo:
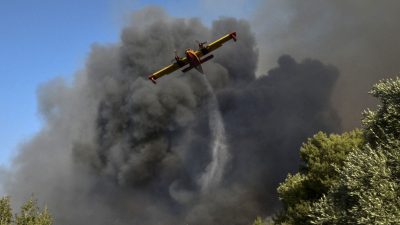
(116, 149)
(360, 37)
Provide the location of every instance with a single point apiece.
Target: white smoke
(219, 147)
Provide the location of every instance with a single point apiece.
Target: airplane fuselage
(194, 60)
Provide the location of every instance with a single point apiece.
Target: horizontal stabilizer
(198, 67)
(206, 58)
(187, 69)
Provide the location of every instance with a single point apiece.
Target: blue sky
(44, 39)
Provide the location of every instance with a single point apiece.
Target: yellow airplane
(193, 58)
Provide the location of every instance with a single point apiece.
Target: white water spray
(219, 148)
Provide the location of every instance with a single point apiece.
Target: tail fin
(199, 68)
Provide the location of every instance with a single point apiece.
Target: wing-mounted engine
(203, 47)
(178, 59)
(201, 44)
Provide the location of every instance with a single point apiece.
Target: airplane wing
(184, 61)
(216, 44)
(168, 69)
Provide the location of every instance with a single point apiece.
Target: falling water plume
(219, 148)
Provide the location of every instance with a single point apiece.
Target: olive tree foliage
(261, 221)
(368, 191)
(320, 156)
(5, 211)
(366, 194)
(30, 214)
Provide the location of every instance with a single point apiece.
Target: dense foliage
(368, 191)
(352, 178)
(321, 155)
(30, 214)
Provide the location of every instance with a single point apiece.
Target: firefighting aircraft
(193, 58)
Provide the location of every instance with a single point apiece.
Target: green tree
(5, 211)
(320, 156)
(368, 190)
(365, 194)
(261, 221)
(382, 126)
(30, 214)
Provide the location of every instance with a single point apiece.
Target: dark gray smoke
(116, 149)
(360, 37)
